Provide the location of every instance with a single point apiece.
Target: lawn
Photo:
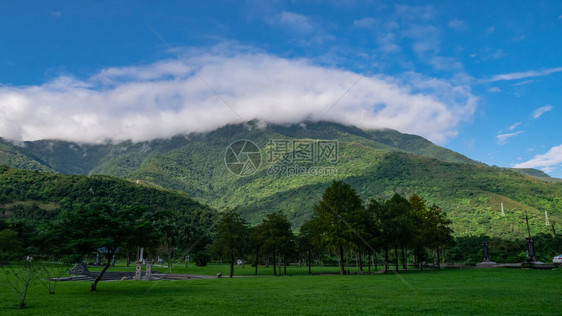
(213, 269)
(474, 291)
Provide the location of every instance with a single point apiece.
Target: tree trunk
(284, 266)
(309, 263)
(438, 259)
(386, 263)
(279, 265)
(128, 258)
(376, 261)
(98, 278)
(404, 263)
(169, 256)
(396, 256)
(361, 261)
(231, 265)
(257, 259)
(342, 271)
(274, 267)
(369, 262)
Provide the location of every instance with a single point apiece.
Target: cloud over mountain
(166, 98)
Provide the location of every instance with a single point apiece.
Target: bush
(201, 258)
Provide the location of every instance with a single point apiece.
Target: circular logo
(242, 157)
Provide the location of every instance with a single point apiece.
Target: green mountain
(376, 163)
(11, 156)
(38, 195)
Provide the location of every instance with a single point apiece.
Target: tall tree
(431, 225)
(402, 224)
(256, 241)
(309, 240)
(438, 231)
(381, 216)
(334, 217)
(165, 224)
(419, 217)
(277, 237)
(232, 239)
(87, 229)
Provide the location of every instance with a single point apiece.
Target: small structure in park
(148, 273)
(531, 256)
(486, 256)
(79, 269)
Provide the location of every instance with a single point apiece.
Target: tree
(366, 234)
(19, 277)
(165, 224)
(232, 238)
(400, 224)
(277, 237)
(381, 216)
(84, 230)
(309, 240)
(256, 240)
(333, 213)
(10, 244)
(418, 210)
(431, 225)
(438, 232)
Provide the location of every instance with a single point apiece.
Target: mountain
(38, 195)
(12, 156)
(376, 163)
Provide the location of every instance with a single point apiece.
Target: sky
(482, 78)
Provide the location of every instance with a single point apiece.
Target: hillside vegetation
(33, 195)
(376, 163)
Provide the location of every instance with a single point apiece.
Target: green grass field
(474, 291)
(213, 269)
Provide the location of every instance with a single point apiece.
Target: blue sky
(479, 77)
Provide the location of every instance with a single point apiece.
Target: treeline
(341, 224)
(70, 218)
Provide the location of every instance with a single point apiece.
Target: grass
(213, 269)
(475, 291)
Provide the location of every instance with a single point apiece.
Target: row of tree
(340, 223)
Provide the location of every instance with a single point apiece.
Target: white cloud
(305, 30)
(295, 21)
(504, 138)
(525, 74)
(415, 12)
(514, 126)
(488, 53)
(542, 110)
(545, 161)
(457, 24)
(494, 89)
(364, 23)
(548, 169)
(518, 38)
(522, 83)
(165, 99)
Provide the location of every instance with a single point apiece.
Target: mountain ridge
(376, 163)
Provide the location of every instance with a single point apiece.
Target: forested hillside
(33, 195)
(376, 163)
